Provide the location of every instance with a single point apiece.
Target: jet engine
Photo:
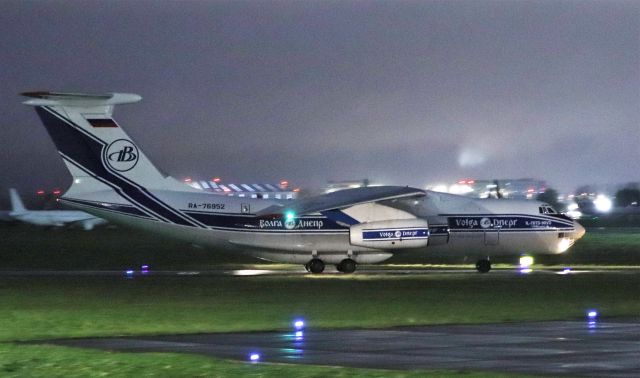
(390, 234)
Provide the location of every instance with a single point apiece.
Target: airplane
(51, 217)
(113, 179)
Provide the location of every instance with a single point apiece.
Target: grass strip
(55, 361)
(55, 307)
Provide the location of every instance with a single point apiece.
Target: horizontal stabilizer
(343, 199)
(42, 98)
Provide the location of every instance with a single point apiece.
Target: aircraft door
(492, 237)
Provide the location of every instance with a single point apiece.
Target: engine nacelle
(390, 234)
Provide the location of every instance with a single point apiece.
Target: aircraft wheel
(316, 266)
(347, 266)
(483, 265)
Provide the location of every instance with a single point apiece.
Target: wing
(342, 199)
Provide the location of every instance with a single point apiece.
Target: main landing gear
(483, 265)
(346, 266)
(316, 266)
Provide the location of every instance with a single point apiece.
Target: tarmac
(587, 348)
(243, 270)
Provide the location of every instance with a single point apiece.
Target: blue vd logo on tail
(121, 155)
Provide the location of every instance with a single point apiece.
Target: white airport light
(442, 188)
(526, 262)
(573, 211)
(602, 203)
(460, 189)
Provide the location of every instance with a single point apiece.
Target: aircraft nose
(580, 231)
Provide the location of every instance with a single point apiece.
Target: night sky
(400, 92)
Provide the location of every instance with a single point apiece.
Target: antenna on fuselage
(498, 192)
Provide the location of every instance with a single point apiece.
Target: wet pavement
(605, 348)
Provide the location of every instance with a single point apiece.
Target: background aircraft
(114, 179)
(51, 217)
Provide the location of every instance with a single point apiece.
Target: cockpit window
(547, 210)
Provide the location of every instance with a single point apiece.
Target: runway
(608, 348)
(244, 270)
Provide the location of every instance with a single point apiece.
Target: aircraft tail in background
(17, 207)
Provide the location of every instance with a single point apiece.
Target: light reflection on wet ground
(579, 348)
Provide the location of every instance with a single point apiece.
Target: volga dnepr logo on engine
(121, 155)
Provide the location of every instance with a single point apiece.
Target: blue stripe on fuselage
(119, 208)
(506, 222)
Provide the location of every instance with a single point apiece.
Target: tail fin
(17, 206)
(95, 149)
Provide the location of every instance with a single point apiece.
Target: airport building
(267, 191)
(334, 186)
(524, 188)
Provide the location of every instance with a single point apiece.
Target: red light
(57, 192)
(462, 182)
(530, 190)
(40, 192)
(216, 179)
(471, 182)
(284, 183)
(296, 190)
(188, 179)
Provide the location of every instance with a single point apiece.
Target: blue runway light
(129, 272)
(299, 335)
(254, 357)
(298, 324)
(592, 316)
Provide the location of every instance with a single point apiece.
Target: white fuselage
(115, 180)
(458, 225)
